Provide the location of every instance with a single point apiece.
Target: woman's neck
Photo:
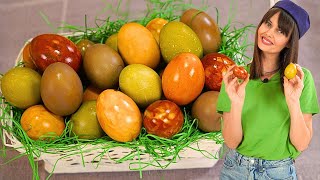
(270, 63)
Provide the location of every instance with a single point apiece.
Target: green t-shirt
(266, 119)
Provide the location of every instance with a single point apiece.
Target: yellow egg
(141, 83)
(290, 71)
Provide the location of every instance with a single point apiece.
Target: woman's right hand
(234, 88)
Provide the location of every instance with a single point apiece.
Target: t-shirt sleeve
(308, 99)
(223, 104)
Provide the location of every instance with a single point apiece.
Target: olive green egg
(61, 89)
(102, 66)
(175, 38)
(84, 122)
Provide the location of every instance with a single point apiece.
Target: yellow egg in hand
(290, 71)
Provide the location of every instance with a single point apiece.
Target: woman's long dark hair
(289, 54)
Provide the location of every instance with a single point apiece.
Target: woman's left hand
(293, 87)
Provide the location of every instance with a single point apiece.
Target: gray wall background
(20, 20)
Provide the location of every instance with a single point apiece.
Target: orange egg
(155, 26)
(183, 78)
(118, 115)
(39, 123)
(91, 93)
(26, 57)
(137, 45)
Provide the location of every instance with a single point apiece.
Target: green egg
(177, 37)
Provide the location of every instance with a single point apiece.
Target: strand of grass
(234, 43)
(48, 22)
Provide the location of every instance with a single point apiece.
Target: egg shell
(141, 83)
(163, 118)
(61, 89)
(118, 115)
(205, 27)
(204, 109)
(175, 38)
(214, 65)
(46, 49)
(102, 66)
(183, 79)
(137, 45)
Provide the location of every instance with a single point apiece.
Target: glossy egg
(46, 49)
(175, 38)
(204, 109)
(39, 123)
(205, 27)
(290, 71)
(83, 45)
(137, 45)
(141, 83)
(118, 115)
(61, 89)
(155, 26)
(163, 118)
(91, 93)
(183, 79)
(26, 57)
(214, 65)
(240, 72)
(102, 66)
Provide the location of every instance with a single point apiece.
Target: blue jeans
(238, 167)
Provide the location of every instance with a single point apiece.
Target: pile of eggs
(142, 76)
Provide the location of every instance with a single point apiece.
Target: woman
(267, 119)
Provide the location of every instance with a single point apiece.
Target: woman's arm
(300, 127)
(300, 124)
(232, 127)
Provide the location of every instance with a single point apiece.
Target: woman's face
(271, 40)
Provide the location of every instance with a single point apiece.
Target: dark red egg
(163, 118)
(46, 49)
(214, 65)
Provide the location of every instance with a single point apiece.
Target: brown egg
(205, 27)
(102, 65)
(204, 109)
(61, 89)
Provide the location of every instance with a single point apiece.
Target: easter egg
(177, 37)
(183, 79)
(26, 57)
(141, 83)
(102, 66)
(20, 86)
(214, 65)
(39, 123)
(204, 109)
(118, 115)
(46, 49)
(240, 72)
(61, 89)
(163, 118)
(137, 45)
(155, 26)
(290, 71)
(205, 27)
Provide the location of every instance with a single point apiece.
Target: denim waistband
(245, 161)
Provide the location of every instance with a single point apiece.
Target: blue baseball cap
(300, 16)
